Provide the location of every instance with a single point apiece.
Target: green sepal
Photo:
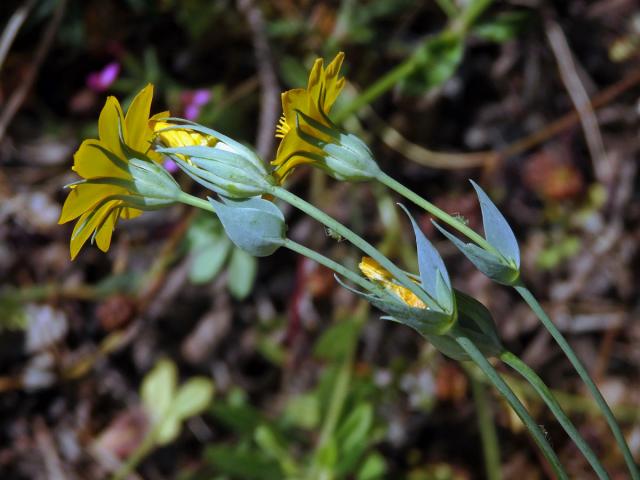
(433, 273)
(151, 180)
(497, 230)
(423, 320)
(493, 266)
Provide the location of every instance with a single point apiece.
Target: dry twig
(20, 94)
(580, 98)
(269, 95)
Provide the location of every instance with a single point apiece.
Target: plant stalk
(435, 211)
(490, 446)
(355, 239)
(584, 375)
(543, 391)
(517, 406)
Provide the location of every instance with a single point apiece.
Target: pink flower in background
(170, 165)
(193, 101)
(102, 80)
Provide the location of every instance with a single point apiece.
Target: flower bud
(228, 168)
(502, 263)
(349, 159)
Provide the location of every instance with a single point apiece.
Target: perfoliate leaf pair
(167, 405)
(502, 264)
(398, 301)
(254, 225)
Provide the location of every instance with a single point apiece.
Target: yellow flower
(313, 103)
(103, 197)
(374, 271)
(180, 137)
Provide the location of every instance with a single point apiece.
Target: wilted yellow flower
(374, 271)
(313, 102)
(106, 194)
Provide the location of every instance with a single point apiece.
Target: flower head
(119, 176)
(308, 136)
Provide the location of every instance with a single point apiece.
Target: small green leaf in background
(303, 411)
(158, 389)
(193, 397)
(373, 468)
(167, 407)
(209, 247)
(207, 262)
(242, 273)
(353, 436)
(243, 464)
(504, 27)
(275, 448)
(436, 62)
(338, 340)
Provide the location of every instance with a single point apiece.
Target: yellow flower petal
(104, 158)
(84, 197)
(137, 120)
(323, 88)
(105, 231)
(85, 227)
(91, 161)
(332, 84)
(373, 270)
(109, 124)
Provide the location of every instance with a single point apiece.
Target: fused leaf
(253, 225)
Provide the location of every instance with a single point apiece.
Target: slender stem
(331, 264)
(448, 8)
(356, 240)
(457, 26)
(379, 87)
(517, 406)
(470, 14)
(435, 211)
(490, 446)
(584, 375)
(195, 202)
(523, 369)
(137, 456)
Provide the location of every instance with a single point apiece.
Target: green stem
(470, 14)
(137, 456)
(523, 369)
(517, 406)
(356, 240)
(490, 447)
(195, 202)
(448, 8)
(435, 211)
(327, 262)
(458, 26)
(584, 375)
(375, 90)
